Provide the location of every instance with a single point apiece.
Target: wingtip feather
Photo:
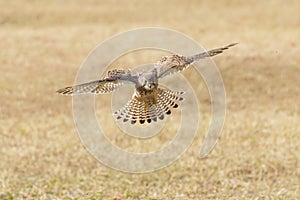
(65, 91)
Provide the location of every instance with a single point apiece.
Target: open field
(43, 44)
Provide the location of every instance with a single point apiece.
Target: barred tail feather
(149, 108)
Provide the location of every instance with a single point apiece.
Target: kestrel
(149, 102)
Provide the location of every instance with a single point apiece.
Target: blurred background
(43, 44)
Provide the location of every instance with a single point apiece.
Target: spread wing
(115, 79)
(94, 87)
(177, 63)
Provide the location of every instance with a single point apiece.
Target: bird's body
(149, 101)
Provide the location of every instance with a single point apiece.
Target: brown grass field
(43, 44)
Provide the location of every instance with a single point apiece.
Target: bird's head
(148, 81)
(149, 85)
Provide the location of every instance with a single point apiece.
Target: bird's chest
(147, 96)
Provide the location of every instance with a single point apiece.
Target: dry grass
(42, 46)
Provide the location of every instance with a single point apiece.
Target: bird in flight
(150, 102)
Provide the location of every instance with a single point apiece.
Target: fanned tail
(149, 107)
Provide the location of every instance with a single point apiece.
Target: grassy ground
(42, 46)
